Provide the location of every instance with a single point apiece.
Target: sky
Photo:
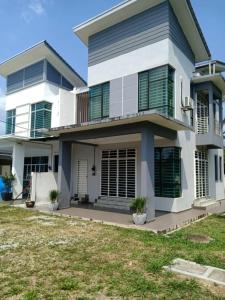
(24, 23)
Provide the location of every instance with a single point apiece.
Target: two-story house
(151, 123)
(40, 94)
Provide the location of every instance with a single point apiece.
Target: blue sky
(26, 22)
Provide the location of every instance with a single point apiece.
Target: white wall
(63, 105)
(42, 184)
(133, 62)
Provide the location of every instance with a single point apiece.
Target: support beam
(17, 169)
(64, 174)
(147, 171)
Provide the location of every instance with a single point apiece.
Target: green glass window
(10, 121)
(168, 172)
(98, 106)
(40, 118)
(156, 90)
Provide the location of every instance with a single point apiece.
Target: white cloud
(32, 8)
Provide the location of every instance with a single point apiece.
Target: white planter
(53, 206)
(139, 219)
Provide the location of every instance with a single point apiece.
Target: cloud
(33, 8)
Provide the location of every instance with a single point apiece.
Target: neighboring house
(139, 133)
(40, 94)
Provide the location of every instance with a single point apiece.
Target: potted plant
(8, 182)
(138, 207)
(53, 195)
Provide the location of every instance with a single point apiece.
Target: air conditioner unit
(187, 104)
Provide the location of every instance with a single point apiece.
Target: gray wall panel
(115, 104)
(148, 27)
(130, 94)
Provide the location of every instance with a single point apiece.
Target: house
(151, 122)
(40, 94)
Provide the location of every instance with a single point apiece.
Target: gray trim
(119, 131)
(148, 27)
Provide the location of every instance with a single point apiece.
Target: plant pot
(30, 204)
(139, 219)
(7, 196)
(53, 206)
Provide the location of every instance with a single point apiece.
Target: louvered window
(168, 172)
(10, 121)
(201, 174)
(98, 105)
(202, 111)
(156, 90)
(40, 118)
(118, 173)
(25, 77)
(56, 77)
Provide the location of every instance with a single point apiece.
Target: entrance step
(115, 203)
(205, 203)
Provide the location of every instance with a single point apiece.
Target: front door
(81, 177)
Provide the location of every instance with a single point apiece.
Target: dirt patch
(197, 238)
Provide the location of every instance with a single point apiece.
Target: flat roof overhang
(147, 116)
(204, 66)
(129, 8)
(217, 79)
(36, 53)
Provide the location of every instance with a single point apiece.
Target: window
(10, 121)
(216, 116)
(98, 106)
(56, 163)
(201, 174)
(25, 77)
(118, 173)
(202, 111)
(216, 167)
(156, 90)
(56, 77)
(34, 164)
(168, 172)
(220, 166)
(40, 118)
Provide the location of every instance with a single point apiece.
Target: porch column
(147, 171)
(17, 169)
(64, 173)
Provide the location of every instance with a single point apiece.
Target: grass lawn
(48, 257)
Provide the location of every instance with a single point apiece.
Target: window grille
(201, 174)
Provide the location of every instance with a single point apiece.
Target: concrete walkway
(162, 224)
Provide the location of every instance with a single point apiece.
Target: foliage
(53, 195)
(138, 205)
(8, 180)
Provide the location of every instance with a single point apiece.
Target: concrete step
(205, 203)
(117, 203)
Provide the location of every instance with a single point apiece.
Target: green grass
(49, 257)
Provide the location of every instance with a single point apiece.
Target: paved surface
(163, 223)
(207, 273)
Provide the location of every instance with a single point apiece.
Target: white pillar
(17, 169)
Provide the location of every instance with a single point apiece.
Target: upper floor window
(25, 77)
(156, 90)
(10, 121)
(56, 77)
(98, 106)
(202, 111)
(40, 118)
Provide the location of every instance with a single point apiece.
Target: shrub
(138, 205)
(53, 195)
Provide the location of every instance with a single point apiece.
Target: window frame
(12, 123)
(34, 130)
(164, 78)
(101, 85)
(216, 169)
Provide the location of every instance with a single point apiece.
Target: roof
(204, 66)
(217, 79)
(129, 8)
(34, 54)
